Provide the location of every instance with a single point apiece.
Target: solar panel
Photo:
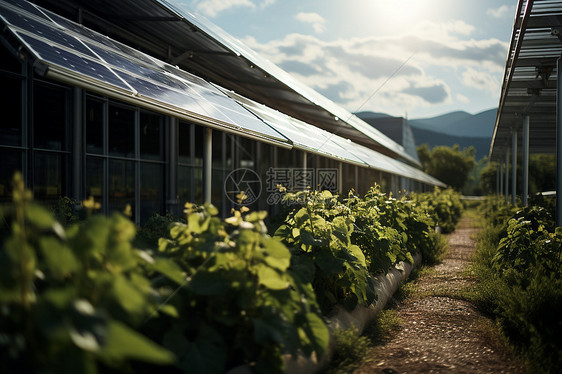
(71, 61)
(42, 30)
(27, 6)
(60, 42)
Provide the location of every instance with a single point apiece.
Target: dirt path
(442, 333)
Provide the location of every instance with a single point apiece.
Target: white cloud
(461, 98)
(212, 8)
(349, 71)
(501, 12)
(481, 80)
(314, 19)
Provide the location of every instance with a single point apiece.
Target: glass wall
(125, 157)
(190, 163)
(12, 143)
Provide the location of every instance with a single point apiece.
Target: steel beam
(208, 165)
(525, 166)
(559, 146)
(513, 166)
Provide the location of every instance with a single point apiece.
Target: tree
(448, 164)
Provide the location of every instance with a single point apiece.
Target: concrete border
(386, 285)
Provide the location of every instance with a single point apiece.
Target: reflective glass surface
(121, 131)
(151, 190)
(121, 185)
(49, 117)
(151, 136)
(48, 176)
(11, 124)
(94, 126)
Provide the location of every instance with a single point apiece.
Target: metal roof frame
(193, 43)
(530, 79)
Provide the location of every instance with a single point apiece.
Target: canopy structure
(530, 98)
(530, 79)
(69, 52)
(196, 45)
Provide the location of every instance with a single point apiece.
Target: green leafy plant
(71, 299)
(239, 304)
(319, 237)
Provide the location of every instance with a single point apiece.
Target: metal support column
(172, 198)
(513, 166)
(340, 178)
(356, 184)
(208, 165)
(525, 166)
(559, 146)
(498, 180)
(304, 167)
(506, 176)
(500, 191)
(77, 149)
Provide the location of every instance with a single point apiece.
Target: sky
(412, 58)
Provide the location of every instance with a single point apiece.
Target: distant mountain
(479, 125)
(460, 128)
(482, 145)
(368, 115)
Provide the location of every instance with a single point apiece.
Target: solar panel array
(70, 47)
(61, 43)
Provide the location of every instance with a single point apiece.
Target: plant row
(213, 295)
(520, 268)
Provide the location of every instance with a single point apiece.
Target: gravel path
(441, 333)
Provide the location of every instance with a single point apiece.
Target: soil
(442, 332)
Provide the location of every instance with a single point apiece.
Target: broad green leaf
(60, 260)
(129, 296)
(39, 216)
(356, 251)
(169, 269)
(320, 335)
(279, 256)
(123, 343)
(271, 279)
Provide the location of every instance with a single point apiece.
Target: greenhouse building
(139, 102)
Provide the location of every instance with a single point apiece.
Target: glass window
(247, 153)
(10, 125)
(218, 150)
(185, 188)
(48, 176)
(94, 178)
(49, 117)
(11, 162)
(94, 126)
(184, 145)
(121, 185)
(9, 62)
(121, 130)
(199, 145)
(151, 136)
(217, 190)
(151, 189)
(198, 185)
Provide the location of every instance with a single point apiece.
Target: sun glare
(400, 12)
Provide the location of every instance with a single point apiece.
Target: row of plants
(519, 265)
(212, 295)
